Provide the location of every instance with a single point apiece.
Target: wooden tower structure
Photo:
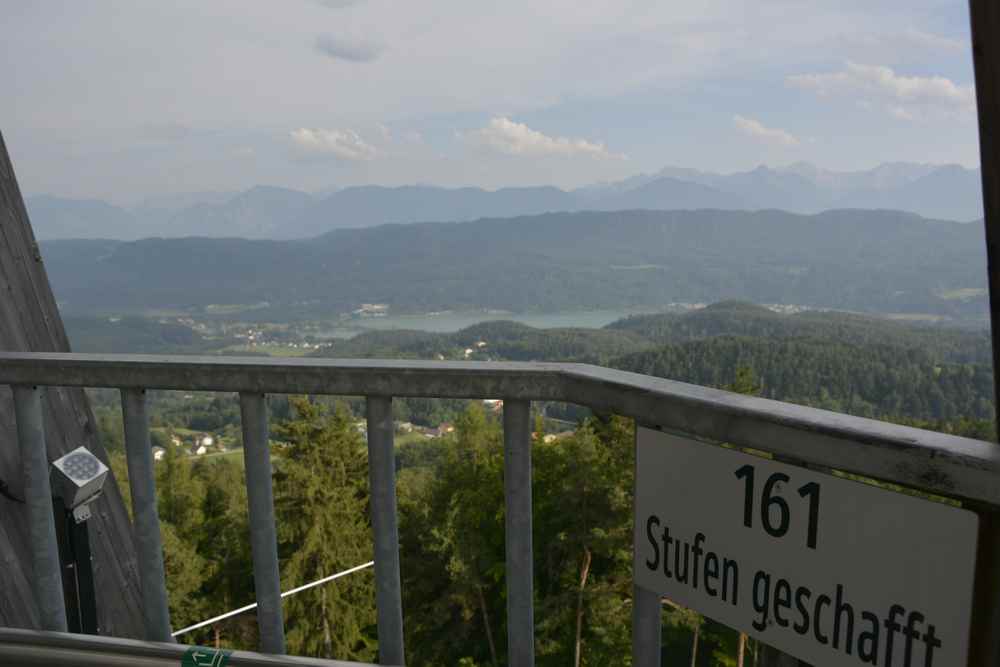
(30, 322)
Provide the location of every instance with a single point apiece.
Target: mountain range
(884, 261)
(947, 192)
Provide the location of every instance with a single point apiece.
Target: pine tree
(321, 491)
(468, 496)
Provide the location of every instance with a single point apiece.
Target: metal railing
(19, 648)
(968, 470)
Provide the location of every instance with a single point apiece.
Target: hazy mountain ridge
(262, 212)
(849, 260)
(947, 192)
(63, 218)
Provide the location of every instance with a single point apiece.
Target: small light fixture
(78, 478)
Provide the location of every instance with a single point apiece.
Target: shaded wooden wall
(30, 322)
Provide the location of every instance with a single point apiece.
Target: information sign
(829, 570)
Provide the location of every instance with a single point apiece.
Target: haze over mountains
(947, 192)
(884, 261)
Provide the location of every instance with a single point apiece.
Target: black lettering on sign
(782, 600)
(729, 567)
(802, 596)
(841, 610)
(772, 503)
(812, 490)
(868, 641)
(821, 601)
(770, 500)
(653, 519)
(711, 573)
(761, 599)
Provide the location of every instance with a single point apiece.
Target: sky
(130, 99)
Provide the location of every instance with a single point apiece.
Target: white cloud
(901, 113)
(506, 136)
(901, 93)
(344, 144)
(758, 130)
(617, 64)
(343, 47)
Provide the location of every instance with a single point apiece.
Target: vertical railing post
(647, 610)
(646, 621)
(517, 492)
(47, 577)
(148, 544)
(263, 537)
(382, 477)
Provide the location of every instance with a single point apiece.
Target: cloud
(901, 93)
(506, 136)
(758, 130)
(901, 113)
(338, 4)
(343, 144)
(340, 47)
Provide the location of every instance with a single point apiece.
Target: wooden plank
(985, 16)
(29, 321)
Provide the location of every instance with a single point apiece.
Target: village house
(443, 429)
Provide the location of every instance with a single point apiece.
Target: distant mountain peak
(948, 191)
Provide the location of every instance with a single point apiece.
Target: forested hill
(136, 335)
(851, 260)
(508, 341)
(849, 363)
(747, 319)
(874, 380)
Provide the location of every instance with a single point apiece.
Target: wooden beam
(30, 322)
(985, 19)
(985, 16)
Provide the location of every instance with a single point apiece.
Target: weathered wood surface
(985, 20)
(29, 321)
(985, 16)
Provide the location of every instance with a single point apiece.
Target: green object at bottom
(198, 656)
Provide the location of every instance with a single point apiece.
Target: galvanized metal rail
(47, 649)
(960, 468)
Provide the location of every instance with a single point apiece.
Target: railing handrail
(72, 650)
(940, 463)
(935, 462)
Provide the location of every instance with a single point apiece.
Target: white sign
(828, 570)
